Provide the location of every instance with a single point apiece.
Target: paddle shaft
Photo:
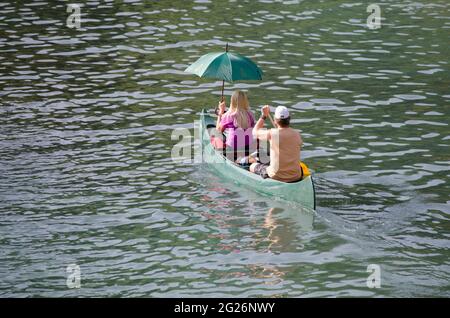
(257, 139)
(271, 119)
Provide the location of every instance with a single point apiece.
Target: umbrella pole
(216, 111)
(223, 82)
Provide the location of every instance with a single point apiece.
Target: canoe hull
(299, 192)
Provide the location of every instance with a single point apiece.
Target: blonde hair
(239, 106)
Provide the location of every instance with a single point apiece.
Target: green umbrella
(225, 66)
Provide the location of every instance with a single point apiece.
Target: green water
(86, 118)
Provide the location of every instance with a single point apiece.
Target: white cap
(281, 112)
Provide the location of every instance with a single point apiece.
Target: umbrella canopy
(226, 66)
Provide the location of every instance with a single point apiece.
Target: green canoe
(299, 192)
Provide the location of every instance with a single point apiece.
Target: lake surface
(86, 118)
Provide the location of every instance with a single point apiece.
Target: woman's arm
(219, 117)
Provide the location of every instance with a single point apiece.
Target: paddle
(273, 124)
(257, 139)
(271, 120)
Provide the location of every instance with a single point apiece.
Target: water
(86, 118)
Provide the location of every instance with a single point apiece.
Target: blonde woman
(237, 122)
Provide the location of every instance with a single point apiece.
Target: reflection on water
(280, 224)
(283, 233)
(85, 140)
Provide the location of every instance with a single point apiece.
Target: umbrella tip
(226, 47)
